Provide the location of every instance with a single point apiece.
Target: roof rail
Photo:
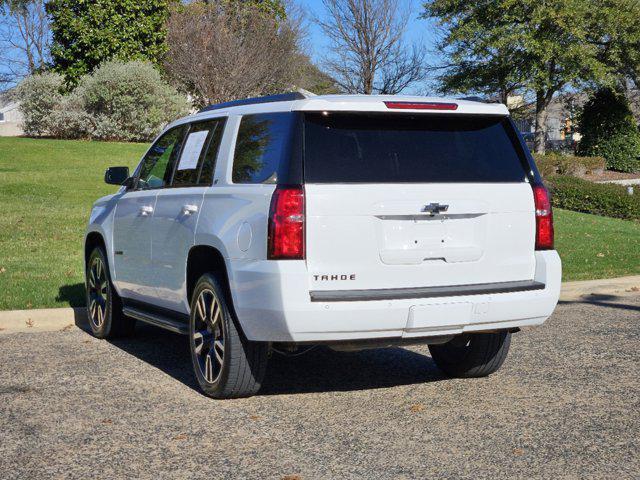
(478, 99)
(281, 97)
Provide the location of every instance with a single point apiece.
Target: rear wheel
(226, 364)
(104, 306)
(472, 355)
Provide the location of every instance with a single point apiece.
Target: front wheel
(104, 306)
(472, 355)
(226, 364)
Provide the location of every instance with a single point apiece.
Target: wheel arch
(206, 259)
(92, 240)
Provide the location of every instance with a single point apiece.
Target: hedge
(556, 164)
(126, 101)
(605, 199)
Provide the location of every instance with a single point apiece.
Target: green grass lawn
(47, 188)
(46, 191)
(596, 247)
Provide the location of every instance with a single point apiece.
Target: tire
(104, 306)
(472, 355)
(225, 363)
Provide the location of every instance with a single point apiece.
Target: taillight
(544, 218)
(421, 105)
(286, 223)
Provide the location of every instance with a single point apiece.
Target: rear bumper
(273, 303)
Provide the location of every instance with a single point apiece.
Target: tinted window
(197, 161)
(209, 161)
(262, 147)
(357, 148)
(156, 168)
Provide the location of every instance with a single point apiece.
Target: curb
(62, 319)
(622, 286)
(41, 320)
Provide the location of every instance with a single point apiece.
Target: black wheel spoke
(208, 337)
(98, 292)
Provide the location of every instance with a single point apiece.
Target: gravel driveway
(565, 404)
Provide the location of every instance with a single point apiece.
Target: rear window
(361, 148)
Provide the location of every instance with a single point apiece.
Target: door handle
(146, 210)
(189, 209)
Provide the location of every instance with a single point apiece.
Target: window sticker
(192, 150)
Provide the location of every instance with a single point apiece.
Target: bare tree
(368, 49)
(24, 38)
(229, 50)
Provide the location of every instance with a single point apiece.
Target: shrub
(609, 130)
(555, 163)
(622, 152)
(605, 199)
(129, 101)
(39, 95)
(69, 120)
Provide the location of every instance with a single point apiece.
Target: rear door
(407, 201)
(177, 209)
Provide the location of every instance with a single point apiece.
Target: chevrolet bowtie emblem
(434, 208)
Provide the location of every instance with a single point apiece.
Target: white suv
(277, 223)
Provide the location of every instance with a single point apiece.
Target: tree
(231, 50)
(368, 50)
(24, 39)
(88, 32)
(620, 38)
(541, 47)
(274, 8)
(609, 130)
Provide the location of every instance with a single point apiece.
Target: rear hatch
(415, 200)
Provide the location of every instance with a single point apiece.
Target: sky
(418, 31)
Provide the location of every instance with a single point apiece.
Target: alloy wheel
(98, 292)
(208, 335)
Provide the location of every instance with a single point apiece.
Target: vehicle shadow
(604, 300)
(320, 370)
(72, 294)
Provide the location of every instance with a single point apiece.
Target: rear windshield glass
(361, 148)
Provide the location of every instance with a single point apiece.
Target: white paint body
(373, 235)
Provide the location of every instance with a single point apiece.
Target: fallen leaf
(29, 323)
(518, 451)
(67, 328)
(2, 269)
(180, 436)
(418, 407)
(107, 421)
(635, 289)
(600, 255)
(292, 477)
(254, 417)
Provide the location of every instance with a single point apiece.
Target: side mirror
(116, 175)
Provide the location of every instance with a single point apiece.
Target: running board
(157, 320)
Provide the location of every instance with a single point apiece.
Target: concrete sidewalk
(54, 319)
(610, 286)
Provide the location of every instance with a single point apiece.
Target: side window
(156, 168)
(209, 161)
(263, 143)
(198, 157)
